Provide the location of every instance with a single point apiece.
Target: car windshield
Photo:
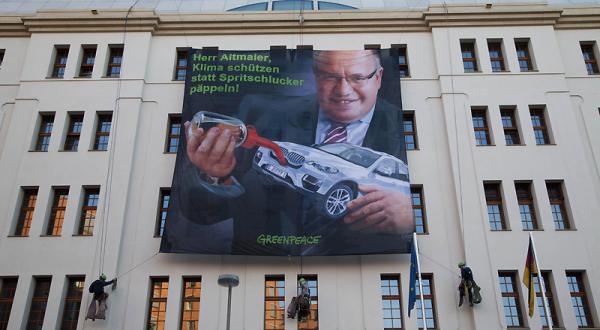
(353, 154)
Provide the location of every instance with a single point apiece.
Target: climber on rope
(97, 309)
(468, 285)
(301, 304)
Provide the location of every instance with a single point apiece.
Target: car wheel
(336, 199)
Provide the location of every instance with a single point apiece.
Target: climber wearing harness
(301, 303)
(98, 306)
(467, 283)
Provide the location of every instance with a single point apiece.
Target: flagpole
(541, 283)
(416, 247)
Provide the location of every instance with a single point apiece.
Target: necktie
(336, 133)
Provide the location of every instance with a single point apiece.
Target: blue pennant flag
(412, 294)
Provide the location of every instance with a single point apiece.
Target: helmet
(461, 264)
(103, 276)
(302, 280)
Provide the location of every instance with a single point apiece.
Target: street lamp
(228, 280)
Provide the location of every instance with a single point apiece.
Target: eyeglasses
(355, 80)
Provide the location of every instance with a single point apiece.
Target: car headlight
(323, 168)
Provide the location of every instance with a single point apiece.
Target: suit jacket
(273, 209)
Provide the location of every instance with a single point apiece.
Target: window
(103, 131)
(26, 212)
(526, 206)
(57, 214)
(261, 6)
(557, 205)
(496, 55)
(174, 133)
(591, 64)
(87, 61)
(1, 60)
(89, 208)
(468, 55)
(190, 303)
(509, 123)
(549, 298)
(181, 64)
(482, 134)
(313, 319)
(390, 296)
(74, 131)
(75, 287)
(493, 198)
(410, 130)
(418, 205)
(60, 61)
(293, 5)
(163, 210)
(523, 55)
(44, 132)
(538, 122)
(428, 300)
(579, 300)
(115, 58)
(402, 60)
(158, 303)
(39, 300)
(326, 5)
(510, 299)
(8, 286)
(274, 302)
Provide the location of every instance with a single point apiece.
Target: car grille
(294, 159)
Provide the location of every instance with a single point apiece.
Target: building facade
(502, 119)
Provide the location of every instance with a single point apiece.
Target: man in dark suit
(346, 109)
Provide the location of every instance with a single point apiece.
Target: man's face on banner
(347, 83)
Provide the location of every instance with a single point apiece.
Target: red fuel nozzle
(254, 140)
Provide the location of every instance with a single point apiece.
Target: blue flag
(412, 293)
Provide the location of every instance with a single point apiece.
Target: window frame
(514, 294)
(157, 299)
(495, 45)
(7, 298)
(528, 199)
(418, 190)
(60, 52)
(314, 300)
(173, 119)
(481, 112)
(160, 222)
(540, 112)
(42, 300)
(57, 211)
(391, 297)
(114, 51)
(73, 137)
(46, 121)
(499, 201)
(403, 64)
(85, 69)
(510, 130)
(591, 63)
(26, 212)
(581, 293)
(466, 47)
(561, 201)
(181, 53)
(546, 274)
(524, 45)
(276, 298)
(410, 116)
(431, 296)
(190, 299)
(85, 228)
(101, 117)
(72, 296)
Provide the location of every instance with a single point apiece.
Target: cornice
(313, 22)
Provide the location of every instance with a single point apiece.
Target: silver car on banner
(330, 173)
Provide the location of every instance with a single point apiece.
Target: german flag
(531, 270)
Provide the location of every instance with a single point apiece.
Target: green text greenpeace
(263, 239)
(213, 74)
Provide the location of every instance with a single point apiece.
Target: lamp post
(229, 281)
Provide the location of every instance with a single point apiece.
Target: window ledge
(55, 77)
(63, 150)
(79, 235)
(545, 144)
(415, 149)
(50, 235)
(516, 145)
(485, 145)
(501, 230)
(80, 77)
(18, 236)
(97, 150)
(37, 151)
(169, 153)
(533, 229)
(107, 77)
(570, 229)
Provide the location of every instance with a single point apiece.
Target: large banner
(291, 152)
